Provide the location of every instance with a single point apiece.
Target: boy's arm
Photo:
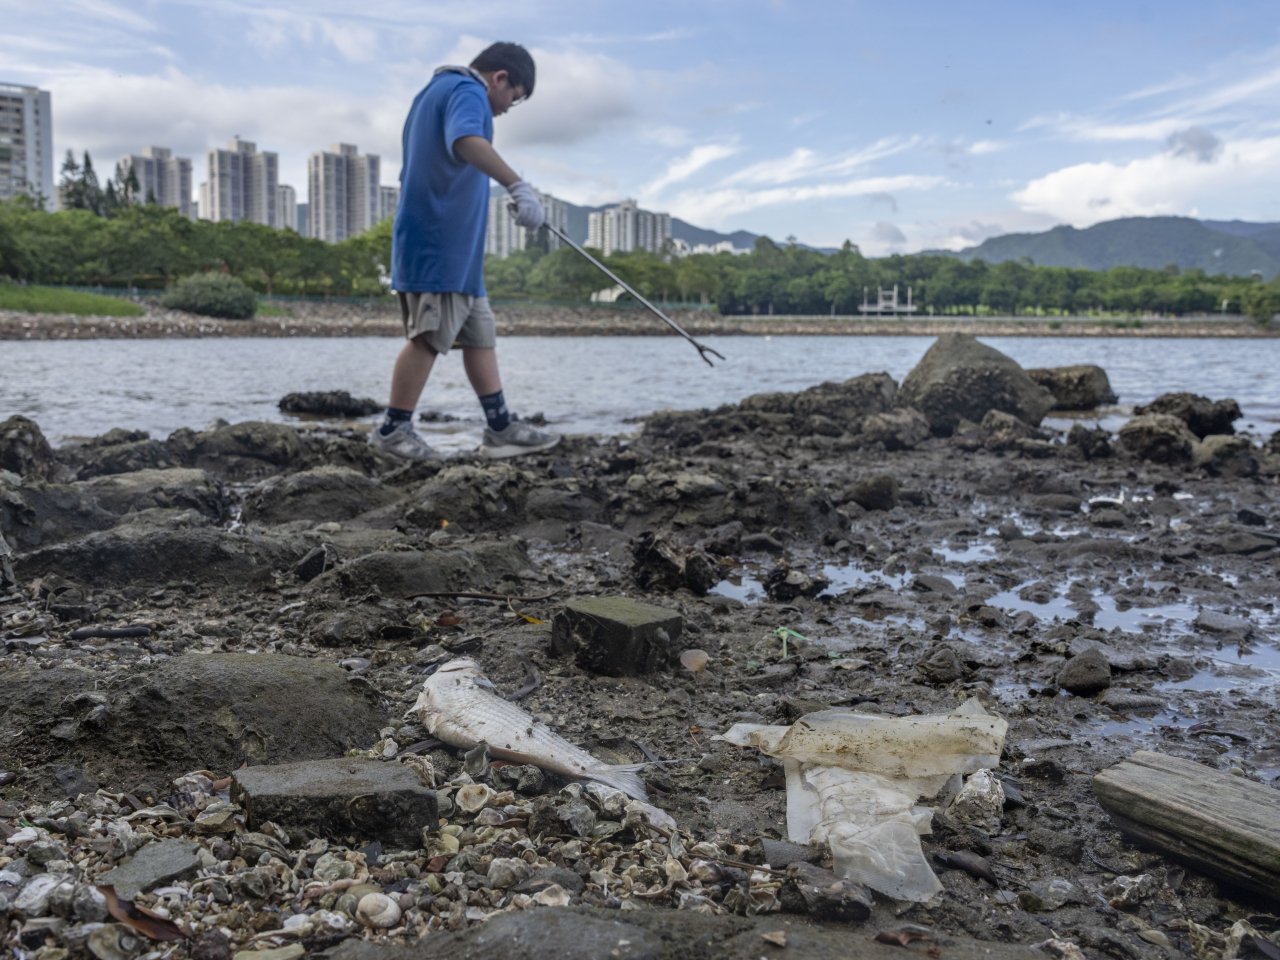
(479, 152)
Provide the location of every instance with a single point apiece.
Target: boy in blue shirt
(437, 245)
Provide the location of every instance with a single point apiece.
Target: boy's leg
(409, 375)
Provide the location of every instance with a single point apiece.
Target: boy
(437, 245)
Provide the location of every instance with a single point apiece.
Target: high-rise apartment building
(26, 143)
(625, 227)
(162, 178)
(304, 219)
(242, 184)
(388, 200)
(286, 207)
(502, 237)
(343, 192)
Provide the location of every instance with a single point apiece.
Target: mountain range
(1234, 247)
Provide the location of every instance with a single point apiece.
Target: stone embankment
(214, 644)
(382, 318)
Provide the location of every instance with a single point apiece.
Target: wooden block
(616, 636)
(1222, 825)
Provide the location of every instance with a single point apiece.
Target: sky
(901, 127)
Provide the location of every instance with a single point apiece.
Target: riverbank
(382, 319)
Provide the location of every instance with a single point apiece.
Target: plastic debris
(854, 782)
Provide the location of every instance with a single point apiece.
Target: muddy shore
(279, 595)
(383, 319)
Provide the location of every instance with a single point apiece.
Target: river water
(592, 385)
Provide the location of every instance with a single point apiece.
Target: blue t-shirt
(437, 241)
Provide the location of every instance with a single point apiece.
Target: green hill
(1233, 247)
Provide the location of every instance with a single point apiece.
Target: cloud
(713, 207)
(887, 199)
(1197, 143)
(276, 29)
(803, 163)
(887, 234)
(686, 166)
(1173, 182)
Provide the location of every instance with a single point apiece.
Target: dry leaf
(449, 619)
(777, 937)
(531, 619)
(694, 660)
(141, 919)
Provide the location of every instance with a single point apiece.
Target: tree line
(111, 237)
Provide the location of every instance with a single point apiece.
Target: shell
(113, 941)
(473, 797)
(553, 896)
(694, 660)
(378, 911)
(506, 872)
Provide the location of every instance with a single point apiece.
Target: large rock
(1158, 437)
(336, 798)
(118, 451)
(1082, 386)
(139, 553)
(35, 514)
(142, 728)
(1201, 415)
(155, 863)
(176, 489)
(1225, 456)
(902, 429)
(24, 449)
(959, 378)
(239, 451)
(407, 573)
(322, 494)
(844, 403)
(329, 403)
(616, 636)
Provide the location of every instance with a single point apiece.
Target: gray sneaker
(404, 442)
(518, 437)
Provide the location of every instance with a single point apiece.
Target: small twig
(476, 595)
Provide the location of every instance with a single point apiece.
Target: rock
(784, 582)
(780, 854)
(1092, 443)
(1201, 415)
(407, 573)
(616, 636)
(107, 457)
(1225, 456)
(876, 493)
(336, 798)
(961, 378)
(825, 896)
(941, 666)
(1158, 437)
(24, 450)
(329, 403)
(1083, 386)
(138, 553)
(902, 429)
(214, 711)
(36, 514)
(979, 803)
(1086, 673)
(842, 403)
(1212, 621)
(934, 583)
(1003, 431)
(155, 863)
(176, 489)
(573, 817)
(239, 451)
(324, 494)
(661, 563)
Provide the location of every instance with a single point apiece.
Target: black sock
(495, 411)
(395, 417)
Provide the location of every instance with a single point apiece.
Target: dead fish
(457, 704)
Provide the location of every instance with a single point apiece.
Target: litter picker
(703, 349)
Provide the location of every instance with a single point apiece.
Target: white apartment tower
(502, 237)
(162, 178)
(286, 207)
(26, 143)
(242, 184)
(344, 194)
(388, 201)
(625, 227)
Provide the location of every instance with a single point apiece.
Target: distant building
(682, 248)
(242, 185)
(503, 238)
(26, 143)
(304, 219)
(286, 207)
(343, 192)
(388, 200)
(162, 178)
(625, 227)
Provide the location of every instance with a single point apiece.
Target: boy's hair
(512, 58)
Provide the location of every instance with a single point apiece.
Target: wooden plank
(1222, 825)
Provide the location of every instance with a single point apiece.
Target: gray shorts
(445, 320)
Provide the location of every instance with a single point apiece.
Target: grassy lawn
(268, 309)
(32, 299)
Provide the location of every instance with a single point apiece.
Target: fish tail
(624, 777)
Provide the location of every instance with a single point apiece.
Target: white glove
(529, 212)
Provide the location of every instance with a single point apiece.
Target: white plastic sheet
(855, 782)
